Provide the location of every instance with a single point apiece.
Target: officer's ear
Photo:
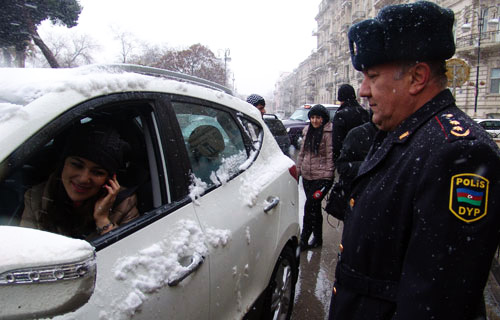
(420, 75)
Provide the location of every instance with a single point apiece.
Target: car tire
(280, 292)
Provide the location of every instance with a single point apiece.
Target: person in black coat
(349, 115)
(424, 211)
(356, 145)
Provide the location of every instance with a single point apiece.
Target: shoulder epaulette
(452, 128)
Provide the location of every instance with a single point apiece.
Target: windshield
(300, 115)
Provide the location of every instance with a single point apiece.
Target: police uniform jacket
(423, 223)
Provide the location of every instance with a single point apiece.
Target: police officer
(424, 217)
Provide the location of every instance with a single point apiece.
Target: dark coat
(349, 115)
(424, 220)
(40, 211)
(356, 145)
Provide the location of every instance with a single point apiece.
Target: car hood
(294, 123)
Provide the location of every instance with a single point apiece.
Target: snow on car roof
(20, 86)
(30, 97)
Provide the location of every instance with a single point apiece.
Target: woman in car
(83, 198)
(315, 165)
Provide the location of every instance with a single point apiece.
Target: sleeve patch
(469, 196)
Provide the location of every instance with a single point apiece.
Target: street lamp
(480, 14)
(227, 58)
(335, 90)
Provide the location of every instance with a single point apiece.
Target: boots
(304, 239)
(317, 230)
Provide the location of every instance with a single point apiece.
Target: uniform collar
(421, 116)
(384, 141)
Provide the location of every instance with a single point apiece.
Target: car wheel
(281, 289)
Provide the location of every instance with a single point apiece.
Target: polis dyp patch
(469, 196)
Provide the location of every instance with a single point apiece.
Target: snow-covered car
(218, 243)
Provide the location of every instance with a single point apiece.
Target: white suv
(492, 126)
(216, 244)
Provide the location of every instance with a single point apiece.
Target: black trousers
(313, 217)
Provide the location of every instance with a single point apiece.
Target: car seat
(205, 146)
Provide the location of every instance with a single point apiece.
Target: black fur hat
(346, 92)
(420, 31)
(319, 110)
(98, 143)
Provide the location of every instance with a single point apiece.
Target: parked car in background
(492, 126)
(279, 132)
(216, 244)
(298, 120)
(280, 114)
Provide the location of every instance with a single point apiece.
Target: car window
(300, 114)
(276, 126)
(332, 113)
(213, 140)
(31, 191)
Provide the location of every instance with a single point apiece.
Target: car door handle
(273, 202)
(196, 261)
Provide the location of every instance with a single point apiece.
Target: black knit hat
(319, 110)
(98, 143)
(420, 31)
(255, 100)
(346, 92)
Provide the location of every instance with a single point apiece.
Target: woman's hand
(104, 205)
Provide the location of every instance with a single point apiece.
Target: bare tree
(19, 21)
(69, 49)
(197, 60)
(149, 54)
(127, 42)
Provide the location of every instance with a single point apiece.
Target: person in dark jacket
(356, 145)
(349, 115)
(315, 165)
(424, 211)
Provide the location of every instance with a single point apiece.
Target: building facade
(476, 64)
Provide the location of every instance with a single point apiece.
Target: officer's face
(386, 88)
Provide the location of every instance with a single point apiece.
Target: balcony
(331, 61)
(346, 3)
(325, 23)
(357, 16)
(467, 45)
(334, 37)
(378, 4)
(345, 27)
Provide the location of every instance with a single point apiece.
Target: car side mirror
(43, 274)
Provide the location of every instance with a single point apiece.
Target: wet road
(317, 267)
(316, 276)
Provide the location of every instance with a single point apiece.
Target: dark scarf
(313, 139)
(60, 214)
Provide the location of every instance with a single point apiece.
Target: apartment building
(475, 66)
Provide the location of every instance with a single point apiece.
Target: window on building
(495, 80)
